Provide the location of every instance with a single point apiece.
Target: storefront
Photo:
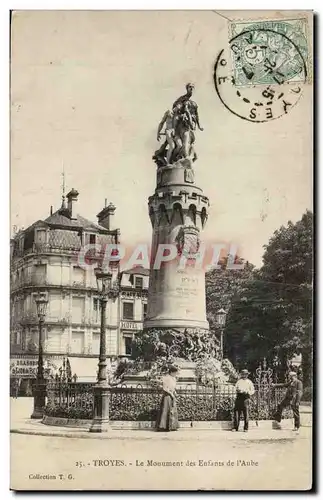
(128, 330)
(23, 370)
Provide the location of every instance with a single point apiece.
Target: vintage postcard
(161, 250)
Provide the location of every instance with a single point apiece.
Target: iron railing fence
(141, 403)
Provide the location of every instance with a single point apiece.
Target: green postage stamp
(269, 52)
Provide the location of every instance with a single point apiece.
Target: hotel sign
(130, 325)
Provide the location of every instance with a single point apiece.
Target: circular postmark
(260, 75)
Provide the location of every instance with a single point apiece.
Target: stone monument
(178, 211)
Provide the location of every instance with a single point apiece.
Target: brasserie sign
(24, 368)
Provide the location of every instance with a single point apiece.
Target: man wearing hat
(292, 398)
(244, 390)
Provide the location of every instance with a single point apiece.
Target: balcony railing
(44, 248)
(54, 319)
(30, 317)
(36, 281)
(40, 248)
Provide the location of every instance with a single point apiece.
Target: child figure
(169, 119)
(184, 130)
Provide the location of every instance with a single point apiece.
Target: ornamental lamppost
(40, 389)
(100, 421)
(221, 317)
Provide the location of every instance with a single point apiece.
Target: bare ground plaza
(262, 459)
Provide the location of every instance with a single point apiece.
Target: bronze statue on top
(180, 123)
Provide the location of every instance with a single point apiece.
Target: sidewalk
(36, 428)
(22, 424)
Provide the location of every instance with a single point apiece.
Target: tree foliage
(224, 287)
(273, 316)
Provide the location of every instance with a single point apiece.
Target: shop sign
(23, 368)
(130, 325)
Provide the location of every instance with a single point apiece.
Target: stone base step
(286, 424)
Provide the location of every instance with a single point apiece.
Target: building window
(77, 346)
(139, 282)
(78, 275)
(39, 274)
(145, 308)
(96, 308)
(128, 345)
(54, 306)
(92, 239)
(95, 343)
(23, 274)
(127, 310)
(19, 307)
(78, 309)
(40, 236)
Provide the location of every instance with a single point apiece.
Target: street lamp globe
(221, 316)
(103, 280)
(41, 304)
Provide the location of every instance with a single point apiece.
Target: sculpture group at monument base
(160, 348)
(177, 324)
(186, 378)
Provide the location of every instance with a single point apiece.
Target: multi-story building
(133, 304)
(45, 258)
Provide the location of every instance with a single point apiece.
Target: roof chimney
(71, 199)
(105, 217)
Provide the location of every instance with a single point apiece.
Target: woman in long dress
(168, 418)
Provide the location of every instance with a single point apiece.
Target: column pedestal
(101, 395)
(39, 400)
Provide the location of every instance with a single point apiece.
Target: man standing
(292, 398)
(244, 389)
(16, 387)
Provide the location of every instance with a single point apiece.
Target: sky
(88, 89)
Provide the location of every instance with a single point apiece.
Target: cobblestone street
(186, 460)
